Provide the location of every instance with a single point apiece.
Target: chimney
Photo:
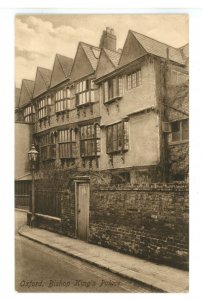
(108, 39)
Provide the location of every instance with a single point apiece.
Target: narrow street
(40, 269)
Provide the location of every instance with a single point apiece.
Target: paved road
(40, 269)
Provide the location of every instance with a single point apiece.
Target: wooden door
(83, 210)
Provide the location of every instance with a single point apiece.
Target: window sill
(117, 152)
(113, 100)
(90, 156)
(178, 142)
(84, 104)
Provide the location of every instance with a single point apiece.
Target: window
(134, 79)
(43, 107)
(63, 101)
(117, 137)
(90, 140)
(180, 130)
(112, 89)
(67, 143)
(84, 92)
(28, 113)
(48, 146)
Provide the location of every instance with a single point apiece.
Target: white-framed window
(134, 79)
(85, 92)
(28, 113)
(112, 89)
(63, 101)
(43, 105)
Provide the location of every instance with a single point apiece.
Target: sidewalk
(162, 277)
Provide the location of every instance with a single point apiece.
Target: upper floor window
(67, 143)
(90, 140)
(112, 89)
(48, 146)
(117, 137)
(134, 79)
(84, 92)
(180, 130)
(43, 107)
(63, 101)
(28, 113)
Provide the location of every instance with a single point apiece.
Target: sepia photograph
(102, 153)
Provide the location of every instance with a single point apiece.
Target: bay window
(112, 89)
(28, 113)
(117, 137)
(67, 143)
(43, 107)
(90, 140)
(63, 101)
(48, 146)
(84, 92)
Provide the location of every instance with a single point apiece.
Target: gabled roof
(26, 92)
(158, 48)
(114, 56)
(46, 75)
(61, 69)
(108, 62)
(66, 64)
(42, 81)
(85, 61)
(17, 97)
(92, 53)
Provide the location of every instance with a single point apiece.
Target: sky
(39, 37)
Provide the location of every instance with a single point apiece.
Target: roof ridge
(90, 45)
(112, 50)
(155, 39)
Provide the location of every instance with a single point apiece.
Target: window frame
(84, 92)
(47, 145)
(112, 89)
(134, 79)
(117, 139)
(90, 140)
(67, 143)
(181, 139)
(43, 105)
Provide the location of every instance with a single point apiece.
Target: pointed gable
(26, 92)
(61, 70)
(108, 61)
(131, 51)
(42, 81)
(85, 61)
(158, 48)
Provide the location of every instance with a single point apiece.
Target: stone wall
(148, 222)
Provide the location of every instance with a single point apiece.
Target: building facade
(118, 115)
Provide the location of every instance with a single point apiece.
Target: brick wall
(148, 221)
(151, 223)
